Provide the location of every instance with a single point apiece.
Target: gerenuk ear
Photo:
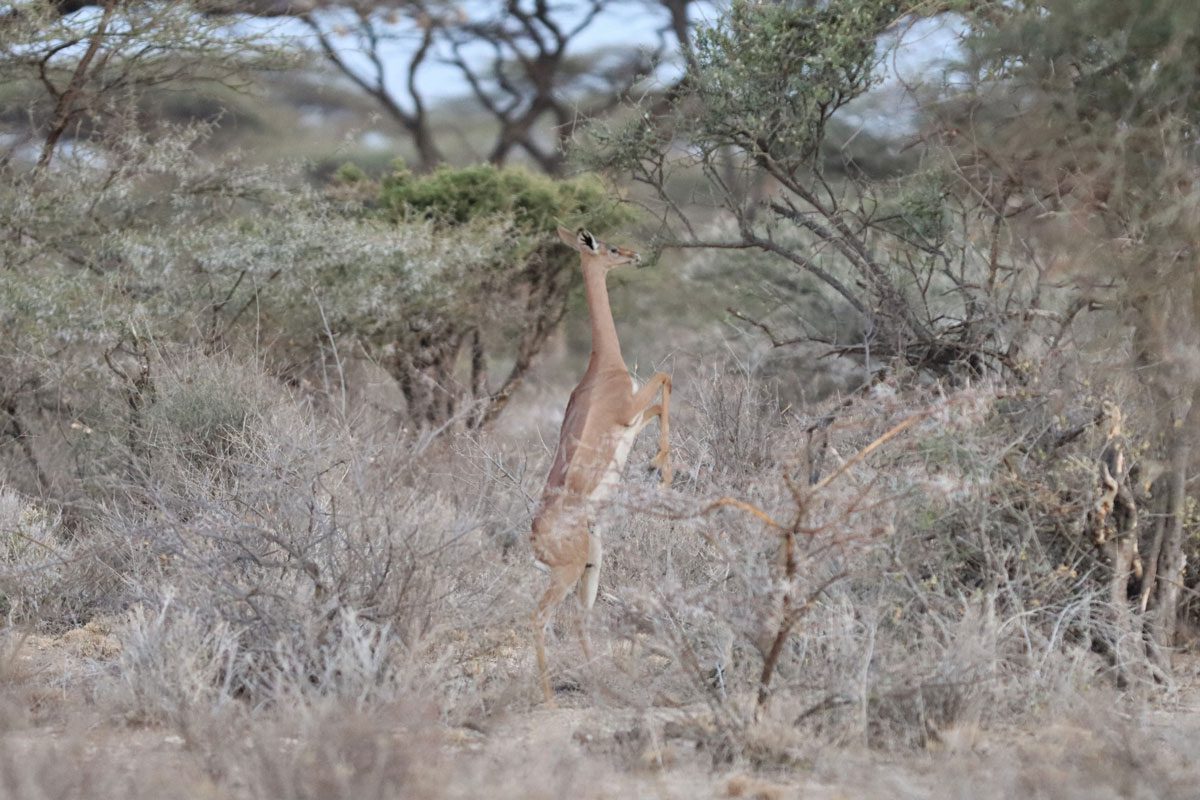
(586, 240)
(568, 237)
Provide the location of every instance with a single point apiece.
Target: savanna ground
(59, 744)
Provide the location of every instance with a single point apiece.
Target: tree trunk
(1171, 560)
(428, 154)
(65, 108)
(545, 306)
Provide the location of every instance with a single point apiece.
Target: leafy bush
(535, 204)
(769, 77)
(513, 290)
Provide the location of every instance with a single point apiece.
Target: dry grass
(297, 605)
(332, 752)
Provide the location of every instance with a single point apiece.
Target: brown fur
(603, 409)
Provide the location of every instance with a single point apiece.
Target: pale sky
(922, 51)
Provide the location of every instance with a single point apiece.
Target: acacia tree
(73, 75)
(1082, 121)
(1057, 181)
(521, 63)
(758, 108)
(480, 290)
(135, 245)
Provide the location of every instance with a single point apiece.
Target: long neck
(606, 348)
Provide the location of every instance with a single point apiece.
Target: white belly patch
(612, 474)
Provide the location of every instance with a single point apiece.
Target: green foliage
(389, 280)
(535, 204)
(1109, 94)
(917, 209)
(456, 248)
(350, 174)
(770, 75)
(748, 137)
(1130, 59)
(477, 265)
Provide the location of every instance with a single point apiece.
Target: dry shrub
(39, 773)
(315, 607)
(206, 409)
(330, 755)
(401, 751)
(322, 751)
(52, 578)
(30, 556)
(281, 556)
(276, 559)
(173, 662)
(942, 580)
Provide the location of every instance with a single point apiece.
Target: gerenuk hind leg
(561, 580)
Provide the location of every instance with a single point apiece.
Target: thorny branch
(790, 611)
